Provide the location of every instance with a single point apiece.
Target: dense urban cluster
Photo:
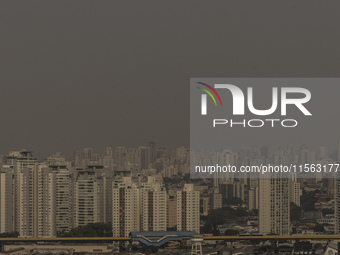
(123, 187)
(149, 189)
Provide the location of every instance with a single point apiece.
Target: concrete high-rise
(154, 209)
(274, 213)
(295, 192)
(143, 157)
(28, 191)
(188, 212)
(90, 193)
(20, 160)
(7, 197)
(36, 199)
(171, 211)
(337, 204)
(64, 195)
(215, 199)
(339, 150)
(45, 204)
(126, 206)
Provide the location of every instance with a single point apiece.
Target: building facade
(188, 213)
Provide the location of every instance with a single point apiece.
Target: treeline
(9, 234)
(90, 230)
(221, 216)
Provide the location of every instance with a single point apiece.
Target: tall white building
(143, 157)
(295, 192)
(120, 157)
(215, 200)
(64, 194)
(103, 199)
(7, 198)
(337, 204)
(90, 197)
(171, 211)
(274, 213)
(338, 150)
(224, 158)
(154, 206)
(253, 199)
(20, 160)
(84, 198)
(37, 202)
(45, 204)
(126, 207)
(188, 209)
(108, 159)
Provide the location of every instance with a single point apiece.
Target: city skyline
(147, 189)
(108, 112)
(332, 150)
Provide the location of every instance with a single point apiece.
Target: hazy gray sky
(77, 74)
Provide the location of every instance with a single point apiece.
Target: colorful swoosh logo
(209, 93)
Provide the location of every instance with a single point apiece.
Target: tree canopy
(90, 230)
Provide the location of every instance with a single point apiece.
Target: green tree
(327, 211)
(220, 217)
(295, 211)
(233, 201)
(303, 246)
(90, 230)
(308, 201)
(231, 232)
(319, 228)
(150, 249)
(9, 234)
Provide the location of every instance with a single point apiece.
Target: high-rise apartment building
(152, 152)
(215, 199)
(171, 211)
(20, 160)
(253, 198)
(64, 195)
(154, 209)
(120, 158)
(295, 192)
(274, 213)
(36, 199)
(337, 204)
(126, 206)
(143, 157)
(338, 150)
(188, 213)
(84, 198)
(90, 196)
(7, 198)
(45, 202)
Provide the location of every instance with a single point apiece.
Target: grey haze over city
(78, 74)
